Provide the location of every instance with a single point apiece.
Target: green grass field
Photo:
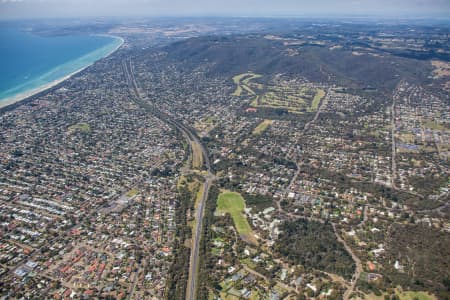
(316, 101)
(242, 82)
(234, 204)
(262, 127)
(278, 94)
(291, 97)
(416, 295)
(197, 156)
(405, 296)
(237, 81)
(238, 91)
(249, 263)
(133, 192)
(83, 127)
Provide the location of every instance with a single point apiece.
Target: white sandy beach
(25, 95)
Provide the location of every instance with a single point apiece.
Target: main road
(192, 138)
(358, 264)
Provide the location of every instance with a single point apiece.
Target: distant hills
(231, 55)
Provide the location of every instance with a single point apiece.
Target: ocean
(29, 62)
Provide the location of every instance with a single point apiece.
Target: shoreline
(25, 95)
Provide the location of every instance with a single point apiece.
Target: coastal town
(86, 198)
(308, 186)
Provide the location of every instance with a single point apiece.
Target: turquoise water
(28, 61)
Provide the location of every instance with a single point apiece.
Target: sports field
(234, 204)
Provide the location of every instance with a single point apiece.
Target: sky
(24, 9)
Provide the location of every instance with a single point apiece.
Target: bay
(29, 62)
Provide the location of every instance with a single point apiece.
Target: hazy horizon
(26, 9)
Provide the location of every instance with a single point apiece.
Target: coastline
(25, 95)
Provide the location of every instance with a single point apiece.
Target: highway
(191, 137)
(196, 237)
